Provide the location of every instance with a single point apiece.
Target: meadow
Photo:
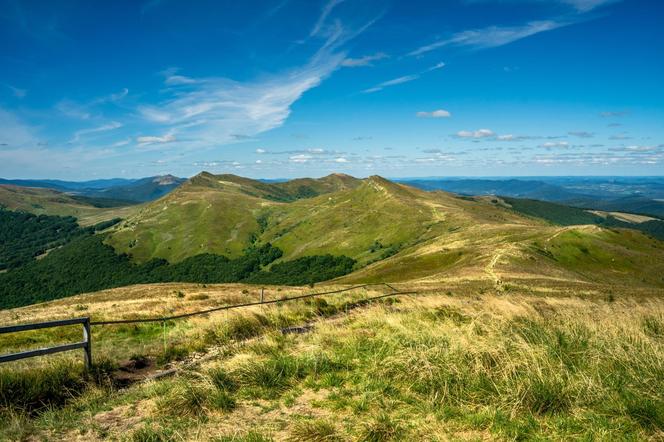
(465, 362)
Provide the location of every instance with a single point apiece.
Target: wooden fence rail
(85, 344)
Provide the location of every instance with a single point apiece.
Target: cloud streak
(492, 36)
(403, 79)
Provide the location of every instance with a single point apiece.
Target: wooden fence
(86, 343)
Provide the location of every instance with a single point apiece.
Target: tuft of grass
(237, 327)
(251, 436)
(172, 353)
(547, 395)
(272, 376)
(381, 428)
(313, 430)
(653, 326)
(648, 413)
(151, 433)
(199, 297)
(189, 397)
(222, 380)
(35, 389)
(222, 400)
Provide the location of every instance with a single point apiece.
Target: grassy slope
(424, 235)
(197, 217)
(454, 366)
(216, 214)
(51, 202)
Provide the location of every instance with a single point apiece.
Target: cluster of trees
(23, 236)
(305, 270)
(567, 216)
(86, 264)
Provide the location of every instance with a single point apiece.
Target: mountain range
(227, 228)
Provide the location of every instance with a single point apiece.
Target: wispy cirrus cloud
(578, 5)
(367, 60)
(147, 140)
(209, 111)
(393, 82)
(95, 130)
(212, 111)
(402, 79)
(492, 36)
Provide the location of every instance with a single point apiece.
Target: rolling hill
(395, 232)
(226, 228)
(117, 189)
(41, 201)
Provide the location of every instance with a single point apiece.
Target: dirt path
(490, 269)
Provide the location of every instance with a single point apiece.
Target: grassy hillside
(449, 364)
(394, 232)
(51, 202)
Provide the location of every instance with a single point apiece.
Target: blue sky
(304, 88)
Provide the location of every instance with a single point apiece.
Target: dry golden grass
(559, 362)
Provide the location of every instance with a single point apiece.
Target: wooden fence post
(262, 290)
(87, 338)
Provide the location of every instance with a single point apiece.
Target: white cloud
(301, 158)
(555, 144)
(587, 5)
(436, 67)
(480, 133)
(103, 128)
(259, 150)
(174, 80)
(73, 110)
(121, 142)
(13, 132)
(320, 23)
(440, 113)
(366, 60)
(168, 138)
(340, 160)
(211, 111)
(580, 5)
(492, 36)
(393, 82)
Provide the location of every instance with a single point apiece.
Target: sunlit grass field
(459, 364)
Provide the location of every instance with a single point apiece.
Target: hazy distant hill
(127, 190)
(52, 202)
(624, 194)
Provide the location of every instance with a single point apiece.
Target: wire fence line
(86, 344)
(251, 304)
